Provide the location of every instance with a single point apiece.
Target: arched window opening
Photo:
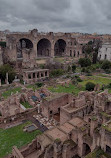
(78, 53)
(60, 47)
(105, 56)
(70, 53)
(74, 53)
(46, 73)
(86, 149)
(44, 48)
(29, 76)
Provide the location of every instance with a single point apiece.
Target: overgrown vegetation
(73, 68)
(15, 137)
(56, 73)
(10, 91)
(7, 69)
(97, 153)
(84, 62)
(26, 105)
(106, 65)
(90, 86)
(39, 84)
(2, 44)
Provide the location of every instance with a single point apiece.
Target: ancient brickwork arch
(44, 48)
(22, 44)
(60, 47)
(86, 149)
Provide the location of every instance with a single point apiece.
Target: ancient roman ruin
(84, 125)
(72, 126)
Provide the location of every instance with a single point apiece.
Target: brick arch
(44, 47)
(86, 149)
(60, 47)
(23, 43)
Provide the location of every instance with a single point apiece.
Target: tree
(84, 62)
(90, 86)
(73, 68)
(69, 68)
(11, 73)
(3, 44)
(106, 65)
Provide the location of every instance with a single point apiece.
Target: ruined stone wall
(17, 117)
(35, 37)
(53, 106)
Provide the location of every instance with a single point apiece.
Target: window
(42, 75)
(78, 54)
(46, 73)
(38, 75)
(29, 76)
(105, 57)
(33, 75)
(74, 53)
(51, 112)
(100, 56)
(70, 53)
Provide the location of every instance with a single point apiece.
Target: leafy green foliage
(73, 68)
(69, 68)
(26, 105)
(84, 62)
(11, 73)
(106, 65)
(90, 86)
(3, 44)
(56, 72)
(15, 136)
(39, 84)
(7, 93)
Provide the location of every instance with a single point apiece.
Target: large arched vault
(60, 47)
(23, 44)
(44, 48)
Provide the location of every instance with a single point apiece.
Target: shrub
(11, 73)
(56, 72)
(108, 71)
(83, 69)
(39, 84)
(73, 68)
(79, 79)
(3, 44)
(109, 85)
(84, 62)
(90, 86)
(106, 65)
(42, 66)
(87, 70)
(76, 76)
(74, 81)
(69, 68)
(89, 74)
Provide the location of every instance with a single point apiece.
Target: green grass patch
(7, 93)
(81, 86)
(15, 137)
(64, 89)
(98, 153)
(60, 60)
(104, 75)
(33, 86)
(96, 80)
(26, 104)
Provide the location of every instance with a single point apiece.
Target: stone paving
(45, 121)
